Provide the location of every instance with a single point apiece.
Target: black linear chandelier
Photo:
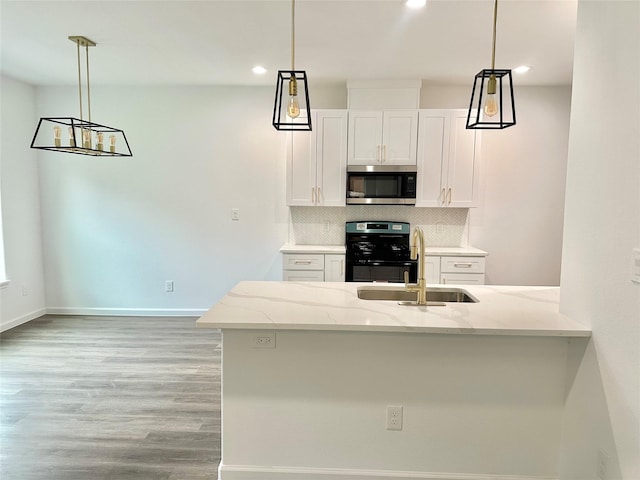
(492, 105)
(84, 136)
(296, 115)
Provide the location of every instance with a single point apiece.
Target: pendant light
(294, 111)
(77, 135)
(492, 105)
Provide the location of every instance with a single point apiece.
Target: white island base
(308, 400)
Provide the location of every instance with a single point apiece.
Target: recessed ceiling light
(522, 69)
(415, 3)
(259, 70)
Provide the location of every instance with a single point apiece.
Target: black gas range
(378, 252)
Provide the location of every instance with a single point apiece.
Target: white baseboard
(22, 319)
(251, 472)
(133, 312)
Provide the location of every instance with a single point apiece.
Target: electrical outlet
(25, 290)
(327, 225)
(603, 463)
(394, 417)
(439, 227)
(235, 214)
(168, 286)
(264, 340)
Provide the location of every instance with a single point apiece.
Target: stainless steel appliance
(381, 184)
(378, 252)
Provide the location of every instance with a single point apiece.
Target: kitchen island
(309, 370)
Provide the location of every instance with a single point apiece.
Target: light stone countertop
(313, 249)
(429, 251)
(501, 310)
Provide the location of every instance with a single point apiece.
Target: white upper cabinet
(448, 160)
(382, 137)
(317, 161)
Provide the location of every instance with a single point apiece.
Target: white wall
(24, 298)
(116, 228)
(602, 225)
(520, 219)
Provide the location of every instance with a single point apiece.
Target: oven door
(387, 272)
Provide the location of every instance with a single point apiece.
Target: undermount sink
(435, 295)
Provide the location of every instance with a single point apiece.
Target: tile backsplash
(443, 227)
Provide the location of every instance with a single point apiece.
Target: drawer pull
(463, 265)
(302, 262)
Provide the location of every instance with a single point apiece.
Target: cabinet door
(462, 278)
(432, 269)
(365, 137)
(462, 264)
(303, 276)
(331, 157)
(301, 169)
(399, 137)
(334, 268)
(463, 167)
(433, 142)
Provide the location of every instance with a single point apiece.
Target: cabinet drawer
(297, 261)
(462, 265)
(462, 278)
(303, 276)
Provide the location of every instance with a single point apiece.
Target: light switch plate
(635, 266)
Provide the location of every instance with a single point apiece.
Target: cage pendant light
(291, 110)
(80, 135)
(492, 105)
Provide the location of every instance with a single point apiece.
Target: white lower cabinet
(334, 268)
(462, 270)
(432, 267)
(317, 267)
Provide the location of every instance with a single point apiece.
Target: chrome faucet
(417, 253)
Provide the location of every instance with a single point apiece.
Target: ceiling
(215, 42)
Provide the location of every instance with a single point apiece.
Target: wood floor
(97, 398)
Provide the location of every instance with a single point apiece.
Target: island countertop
(335, 306)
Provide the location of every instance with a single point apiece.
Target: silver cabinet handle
(384, 154)
(313, 195)
(444, 196)
(449, 195)
(319, 195)
(463, 265)
(378, 159)
(302, 262)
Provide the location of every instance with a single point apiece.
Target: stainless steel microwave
(381, 184)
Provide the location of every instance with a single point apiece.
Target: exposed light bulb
(293, 107)
(86, 138)
(56, 135)
(490, 104)
(72, 138)
(112, 142)
(100, 140)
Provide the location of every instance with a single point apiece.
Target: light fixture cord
(79, 81)
(493, 49)
(293, 33)
(88, 90)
